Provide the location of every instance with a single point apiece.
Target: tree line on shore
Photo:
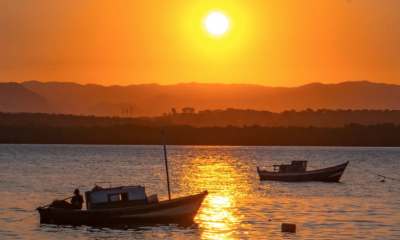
(217, 118)
(349, 135)
(45, 119)
(304, 118)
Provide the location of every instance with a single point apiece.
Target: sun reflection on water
(226, 179)
(218, 217)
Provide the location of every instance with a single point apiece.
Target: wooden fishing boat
(122, 206)
(297, 172)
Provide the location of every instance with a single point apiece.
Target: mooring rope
(379, 175)
(27, 217)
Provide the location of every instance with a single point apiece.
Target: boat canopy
(295, 166)
(117, 197)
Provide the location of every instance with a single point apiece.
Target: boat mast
(166, 165)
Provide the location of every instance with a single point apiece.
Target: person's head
(76, 192)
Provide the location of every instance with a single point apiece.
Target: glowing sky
(269, 42)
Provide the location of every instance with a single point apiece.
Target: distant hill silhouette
(15, 97)
(154, 99)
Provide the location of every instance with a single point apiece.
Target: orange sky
(272, 42)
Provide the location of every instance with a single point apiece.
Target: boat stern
(44, 215)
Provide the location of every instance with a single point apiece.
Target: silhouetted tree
(187, 110)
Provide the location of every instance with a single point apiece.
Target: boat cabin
(295, 166)
(117, 197)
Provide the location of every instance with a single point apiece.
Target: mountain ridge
(15, 97)
(155, 99)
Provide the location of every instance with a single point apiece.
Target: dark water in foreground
(239, 205)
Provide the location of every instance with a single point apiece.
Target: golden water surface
(238, 206)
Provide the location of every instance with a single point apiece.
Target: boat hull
(180, 210)
(331, 174)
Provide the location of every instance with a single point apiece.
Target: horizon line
(227, 84)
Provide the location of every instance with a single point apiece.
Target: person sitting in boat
(77, 200)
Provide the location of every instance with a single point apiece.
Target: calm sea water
(239, 206)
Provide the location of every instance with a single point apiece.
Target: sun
(216, 23)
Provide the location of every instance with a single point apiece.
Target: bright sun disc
(217, 23)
